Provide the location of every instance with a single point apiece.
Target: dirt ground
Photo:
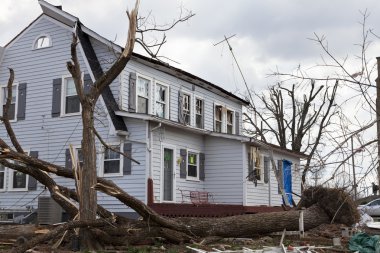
(321, 236)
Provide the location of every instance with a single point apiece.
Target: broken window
(199, 113)
(218, 118)
(230, 121)
(186, 108)
(162, 101)
(143, 86)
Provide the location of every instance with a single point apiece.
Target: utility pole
(353, 168)
(378, 118)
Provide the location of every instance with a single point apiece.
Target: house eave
(57, 13)
(276, 148)
(188, 128)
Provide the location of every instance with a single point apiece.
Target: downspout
(150, 192)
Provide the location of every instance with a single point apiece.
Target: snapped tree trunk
(87, 176)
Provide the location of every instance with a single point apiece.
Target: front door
(168, 175)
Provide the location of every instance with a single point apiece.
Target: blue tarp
(287, 173)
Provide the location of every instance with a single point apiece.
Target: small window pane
(19, 180)
(142, 105)
(109, 154)
(70, 87)
(111, 166)
(160, 93)
(42, 42)
(72, 104)
(160, 110)
(143, 87)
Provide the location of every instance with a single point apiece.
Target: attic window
(42, 42)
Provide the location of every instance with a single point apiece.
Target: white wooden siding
(223, 170)
(51, 136)
(176, 85)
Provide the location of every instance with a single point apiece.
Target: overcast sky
(270, 34)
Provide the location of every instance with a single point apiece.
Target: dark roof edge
(97, 70)
(191, 76)
(271, 146)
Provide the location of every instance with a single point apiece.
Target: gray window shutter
(237, 123)
(202, 166)
(21, 103)
(87, 83)
(127, 163)
(280, 176)
(213, 116)
(180, 111)
(32, 182)
(203, 113)
(56, 103)
(182, 168)
(266, 169)
(68, 164)
(250, 167)
(132, 92)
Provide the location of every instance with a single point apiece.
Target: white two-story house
(185, 132)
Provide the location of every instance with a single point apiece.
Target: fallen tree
(319, 206)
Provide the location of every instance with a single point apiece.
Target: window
(162, 101)
(12, 107)
(199, 113)
(80, 156)
(18, 180)
(42, 42)
(143, 86)
(186, 108)
(192, 165)
(230, 121)
(2, 177)
(218, 119)
(111, 161)
(71, 103)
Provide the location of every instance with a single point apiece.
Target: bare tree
(297, 118)
(353, 107)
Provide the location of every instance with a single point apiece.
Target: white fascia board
(57, 13)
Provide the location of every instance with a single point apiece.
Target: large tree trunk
(87, 176)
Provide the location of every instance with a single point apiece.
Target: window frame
(233, 120)
(190, 178)
(221, 118)
(185, 93)
(63, 98)
(11, 177)
(224, 118)
(121, 159)
(16, 84)
(195, 111)
(167, 99)
(34, 45)
(5, 178)
(149, 98)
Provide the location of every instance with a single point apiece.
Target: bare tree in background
(296, 117)
(322, 121)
